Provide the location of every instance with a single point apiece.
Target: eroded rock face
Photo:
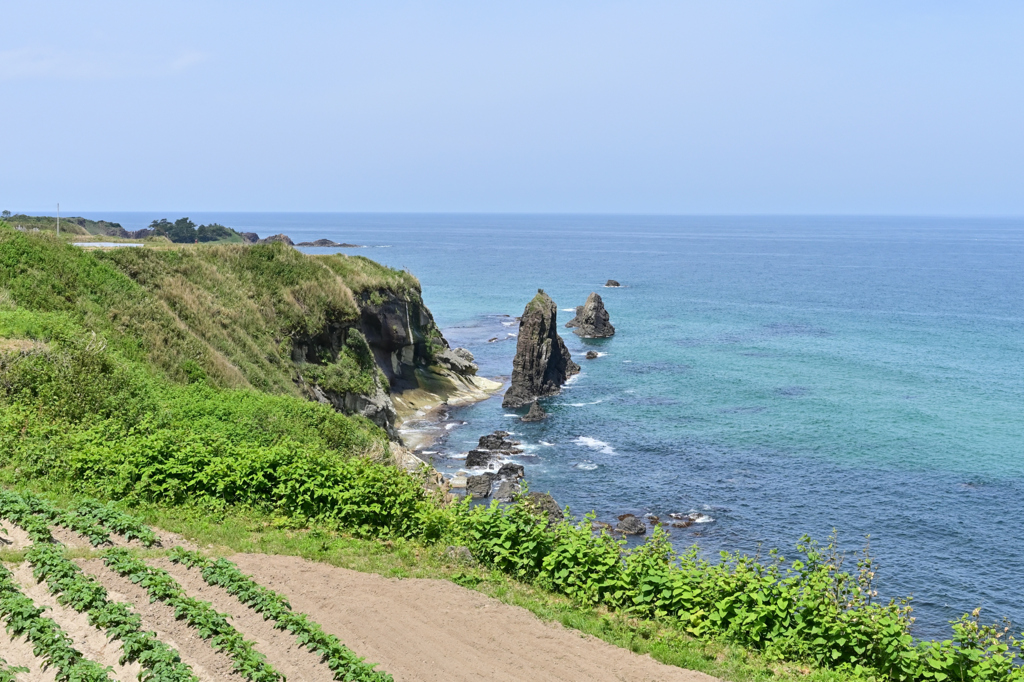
(480, 486)
(591, 321)
(542, 363)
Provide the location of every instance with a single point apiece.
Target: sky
(713, 107)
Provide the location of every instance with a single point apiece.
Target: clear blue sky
(719, 106)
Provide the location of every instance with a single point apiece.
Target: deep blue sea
(781, 375)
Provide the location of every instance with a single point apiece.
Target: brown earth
(15, 538)
(420, 629)
(91, 641)
(209, 665)
(79, 541)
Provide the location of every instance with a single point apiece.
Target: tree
(181, 231)
(5, 215)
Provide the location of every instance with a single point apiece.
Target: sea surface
(781, 376)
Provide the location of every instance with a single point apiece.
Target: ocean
(781, 376)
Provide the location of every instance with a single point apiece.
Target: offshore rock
(631, 525)
(544, 504)
(591, 319)
(536, 413)
(498, 441)
(327, 243)
(542, 363)
(479, 486)
(249, 237)
(591, 355)
(612, 283)
(478, 458)
(511, 471)
(506, 491)
(283, 238)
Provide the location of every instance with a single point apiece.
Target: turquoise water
(781, 376)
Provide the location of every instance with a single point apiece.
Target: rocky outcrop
(544, 504)
(507, 491)
(327, 243)
(249, 237)
(591, 321)
(631, 525)
(480, 486)
(592, 355)
(418, 370)
(499, 441)
(536, 413)
(542, 362)
(478, 458)
(283, 238)
(511, 471)
(612, 283)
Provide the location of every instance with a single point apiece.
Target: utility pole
(58, 218)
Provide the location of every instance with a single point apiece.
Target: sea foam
(595, 444)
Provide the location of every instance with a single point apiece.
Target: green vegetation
(342, 661)
(159, 662)
(71, 225)
(210, 624)
(184, 231)
(143, 392)
(49, 641)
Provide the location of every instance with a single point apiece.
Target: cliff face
(542, 363)
(395, 342)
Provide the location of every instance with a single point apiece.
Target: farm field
(185, 616)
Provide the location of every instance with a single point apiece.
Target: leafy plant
(342, 661)
(210, 624)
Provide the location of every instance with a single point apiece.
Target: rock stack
(591, 319)
(542, 363)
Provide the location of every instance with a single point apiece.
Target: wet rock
(612, 283)
(460, 555)
(480, 486)
(507, 491)
(591, 319)
(598, 526)
(511, 471)
(631, 525)
(457, 482)
(249, 237)
(498, 441)
(536, 413)
(682, 524)
(542, 503)
(542, 362)
(478, 458)
(591, 355)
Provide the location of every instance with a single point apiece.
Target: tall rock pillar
(542, 363)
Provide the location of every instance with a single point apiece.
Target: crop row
(342, 661)
(210, 624)
(115, 520)
(83, 593)
(49, 641)
(8, 672)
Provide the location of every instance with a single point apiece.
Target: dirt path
(282, 651)
(434, 630)
(90, 641)
(209, 665)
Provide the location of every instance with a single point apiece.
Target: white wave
(595, 444)
(701, 518)
(600, 354)
(630, 390)
(428, 452)
(586, 466)
(513, 335)
(510, 415)
(627, 361)
(508, 324)
(585, 404)
(458, 455)
(572, 379)
(546, 444)
(449, 427)
(568, 310)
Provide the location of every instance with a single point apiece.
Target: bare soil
(209, 665)
(18, 653)
(420, 629)
(79, 541)
(15, 538)
(91, 641)
(296, 663)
